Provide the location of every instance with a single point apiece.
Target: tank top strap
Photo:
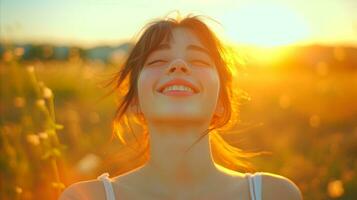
(109, 192)
(255, 185)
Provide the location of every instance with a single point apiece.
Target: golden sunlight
(266, 25)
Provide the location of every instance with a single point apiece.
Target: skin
(174, 123)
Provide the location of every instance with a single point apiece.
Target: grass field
(55, 131)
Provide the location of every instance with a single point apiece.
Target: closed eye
(199, 62)
(157, 61)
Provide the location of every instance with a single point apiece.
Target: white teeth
(177, 87)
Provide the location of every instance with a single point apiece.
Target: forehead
(182, 37)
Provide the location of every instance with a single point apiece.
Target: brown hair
(126, 78)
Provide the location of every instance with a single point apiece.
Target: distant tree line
(51, 52)
(294, 58)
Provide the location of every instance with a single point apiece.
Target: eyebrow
(189, 47)
(198, 48)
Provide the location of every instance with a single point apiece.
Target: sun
(266, 25)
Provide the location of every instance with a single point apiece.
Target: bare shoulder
(277, 186)
(92, 189)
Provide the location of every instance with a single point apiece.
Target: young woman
(178, 80)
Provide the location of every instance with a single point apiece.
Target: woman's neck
(169, 155)
(171, 167)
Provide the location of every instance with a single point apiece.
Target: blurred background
(300, 73)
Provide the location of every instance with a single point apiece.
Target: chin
(180, 117)
(182, 113)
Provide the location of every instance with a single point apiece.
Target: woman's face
(184, 57)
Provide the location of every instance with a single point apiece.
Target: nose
(178, 66)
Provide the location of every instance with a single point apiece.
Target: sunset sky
(258, 22)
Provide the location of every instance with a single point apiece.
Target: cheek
(146, 81)
(210, 81)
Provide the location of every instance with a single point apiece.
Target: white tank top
(255, 185)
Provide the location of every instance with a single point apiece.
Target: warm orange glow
(265, 55)
(266, 25)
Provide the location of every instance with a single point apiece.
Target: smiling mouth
(178, 91)
(180, 86)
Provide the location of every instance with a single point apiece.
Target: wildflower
(18, 190)
(33, 139)
(30, 68)
(51, 153)
(47, 93)
(43, 135)
(88, 163)
(335, 188)
(19, 102)
(40, 102)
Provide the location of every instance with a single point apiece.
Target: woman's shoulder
(274, 184)
(91, 189)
